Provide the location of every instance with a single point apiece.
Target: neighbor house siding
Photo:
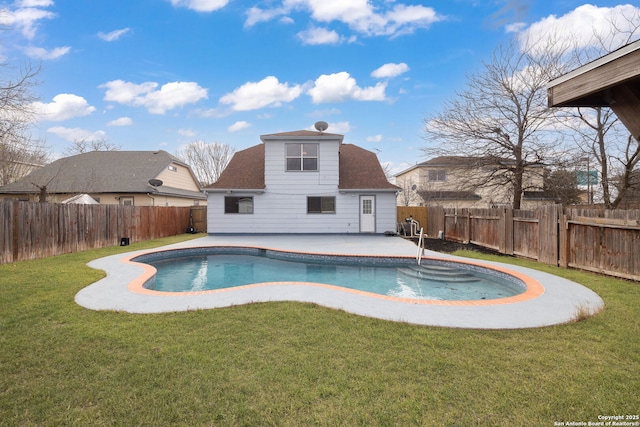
(180, 178)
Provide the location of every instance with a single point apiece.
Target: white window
(302, 157)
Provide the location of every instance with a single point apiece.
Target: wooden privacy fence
(35, 230)
(602, 241)
(419, 213)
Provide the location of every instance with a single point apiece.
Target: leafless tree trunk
(207, 160)
(500, 118)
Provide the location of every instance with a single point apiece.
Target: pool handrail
(420, 248)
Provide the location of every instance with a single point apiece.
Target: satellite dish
(321, 126)
(155, 182)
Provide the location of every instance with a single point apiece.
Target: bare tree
(85, 145)
(207, 160)
(501, 117)
(596, 130)
(19, 154)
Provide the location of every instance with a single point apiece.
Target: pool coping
(548, 300)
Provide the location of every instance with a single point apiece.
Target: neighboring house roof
(449, 195)
(458, 162)
(103, 172)
(359, 169)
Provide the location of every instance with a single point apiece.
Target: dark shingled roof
(448, 195)
(359, 169)
(101, 172)
(244, 171)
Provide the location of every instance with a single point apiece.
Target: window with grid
(302, 157)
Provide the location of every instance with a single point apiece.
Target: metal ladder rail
(420, 247)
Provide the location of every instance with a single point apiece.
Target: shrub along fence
(603, 241)
(35, 230)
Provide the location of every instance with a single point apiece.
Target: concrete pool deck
(557, 301)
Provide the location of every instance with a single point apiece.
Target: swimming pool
(222, 268)
(548, 300)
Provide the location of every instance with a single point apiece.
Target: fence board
(419, 213)
(605, 241)
(36, 230)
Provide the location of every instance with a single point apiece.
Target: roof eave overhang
(368, 190)
(330, 137)
(235, 190)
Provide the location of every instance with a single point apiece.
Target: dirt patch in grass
(447, 246)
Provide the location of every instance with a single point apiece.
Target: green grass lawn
(292, 364)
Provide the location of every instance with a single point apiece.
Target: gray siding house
(302, 182)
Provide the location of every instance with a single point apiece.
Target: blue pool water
(393, 277)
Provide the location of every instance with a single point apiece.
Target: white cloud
(586, 26)
(168, 97)
(187, 132)
(121, 121)
(375, 138)
(341, 87)
(25, 19)
(34, 3)
(63, 107)
(256, 15)
(73, 134)
(113, 35)
(238, 126)
(390, 70)
(267, 92)
(41, 53)
(201, 5)
(317, 36)
(385, 19)
(339, 127)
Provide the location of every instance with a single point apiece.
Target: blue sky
(156, 74)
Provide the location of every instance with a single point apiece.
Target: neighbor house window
(321, 205)
(238, 205)
(126, 201)
(437, 175)
(302, 157)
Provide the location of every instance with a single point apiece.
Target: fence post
(16, 232)
(506, 244)
(563, 241)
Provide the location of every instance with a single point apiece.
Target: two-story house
(466, 182)
(302, 182)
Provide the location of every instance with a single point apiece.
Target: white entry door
(367, 214)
